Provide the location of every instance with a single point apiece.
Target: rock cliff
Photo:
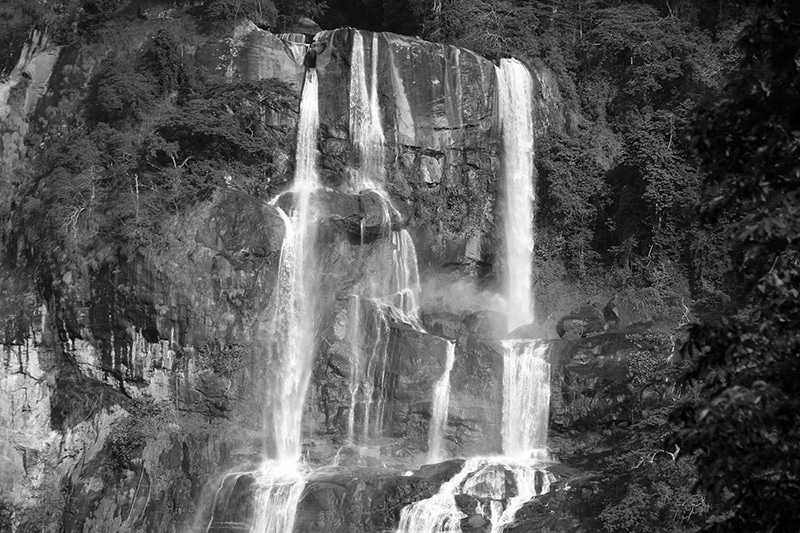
(126, 397)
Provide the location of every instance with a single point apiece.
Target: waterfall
(366, 131)
(406, 274)
(369, 357)
(354, 316)
(305, 177)
(490, 480)
(526, 396)
(515, 88)
(439, 513)
(280, 482)
(441, 403)
(526, 373)
(292, 342)
(280, 487)
(393, 296)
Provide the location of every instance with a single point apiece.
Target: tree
(572, 191)
(746, 433)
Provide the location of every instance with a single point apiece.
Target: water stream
(381, 298)
(280, 481)
(526, 397)
(366, 131)
(526, 371)
(440, 405)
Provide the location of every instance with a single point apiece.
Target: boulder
(240, 226)
(584, 322)
(443, 324)
(589, 381)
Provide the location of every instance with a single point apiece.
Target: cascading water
(369, 344)
(406, 274)
(486, 480)
(384, 295)
(439, 513)
(366, 131)
(526, 372)
(526, 397)
(393, 296)
(440, 405)
(515, 91)
(293, 322)
(280, 481)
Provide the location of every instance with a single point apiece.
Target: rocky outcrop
(589, 381)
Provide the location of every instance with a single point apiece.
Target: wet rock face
(476, 389)
(439, 97)
(240, 227)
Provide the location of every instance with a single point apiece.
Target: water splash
(366, 131)
(441, 403)
(500, 485)
(279, 489)
(439, 513)
(515, 88)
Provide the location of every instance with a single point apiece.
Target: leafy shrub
(130, 433)
(120, 93)
(163, 59)
(572, 192)
(225, 360)
(218, 14)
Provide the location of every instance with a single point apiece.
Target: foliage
(670, 184)
(157, 138)
(131, 432)
(640, 486)
(572, 191)
(163, 60)
(120, 94)
(225, 360)
(746, 432)
(293, 10)
(647, 54)
(219, 14)
(659, 500)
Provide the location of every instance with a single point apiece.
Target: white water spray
(515, 88)
(280, 487)
(484, 478)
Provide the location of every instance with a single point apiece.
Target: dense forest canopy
(674, 107)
